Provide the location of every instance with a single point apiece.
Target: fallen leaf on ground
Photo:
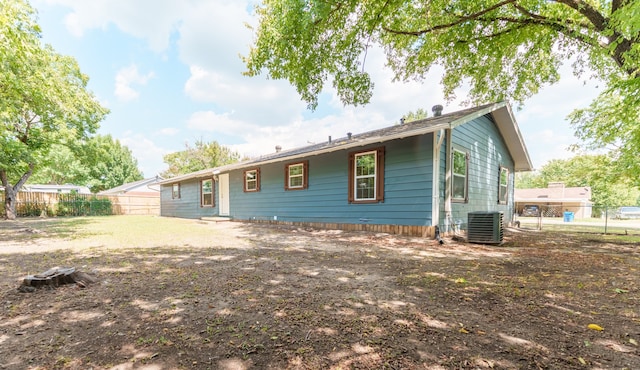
(582, 361)
(595, 327)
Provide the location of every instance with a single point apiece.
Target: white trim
(301, 175)
(435, 194)
(448, 208)
(374, 175)
(223, 194)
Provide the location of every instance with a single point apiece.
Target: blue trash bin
(568, 217)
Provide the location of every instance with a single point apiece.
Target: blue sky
(170, 73)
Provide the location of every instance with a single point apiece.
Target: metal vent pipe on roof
(278, 148)
(437, 110)
(349, 135)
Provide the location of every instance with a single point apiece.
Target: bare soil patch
(262, 297)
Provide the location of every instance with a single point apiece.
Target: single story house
(407, 178)
(60, 189)
(144, 187)
(556, 199)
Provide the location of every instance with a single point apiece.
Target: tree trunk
(10, 203)
(11, 192)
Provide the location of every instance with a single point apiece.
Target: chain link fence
(595, 219)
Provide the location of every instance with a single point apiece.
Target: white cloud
(257, 100)
(256, 140)
(210, 121)
(168, 131)
(213, 35)
(152, 20)
(125, 78)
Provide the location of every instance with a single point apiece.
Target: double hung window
(206, 193)
(252, 180)
(296, 176)
(503, 186)
(460, 183)
(175, 191)
(366, 176)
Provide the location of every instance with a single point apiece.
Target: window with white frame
(503, 188)
(366, 176)
(460, 182)
(296, 176)
(206, 193)
(175, 191)
(252, 180)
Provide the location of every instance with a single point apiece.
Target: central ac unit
(485, 227)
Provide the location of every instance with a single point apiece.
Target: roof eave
(506, 122)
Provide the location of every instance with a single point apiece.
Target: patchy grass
(182, 294)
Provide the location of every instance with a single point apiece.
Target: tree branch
(582, 7)
(449, 25)
(3, 178)
(541, 18)
(493, 35)
(24, 177)
(545, 22)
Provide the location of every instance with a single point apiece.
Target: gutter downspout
(435, 195)
(447, 183)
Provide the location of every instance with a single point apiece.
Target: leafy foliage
(415, 116)
(503, 49)
(600, 172)
(76, 205)
(99, 162)
(201, 156)
(43, 99)
(108, 162)
(61, 166)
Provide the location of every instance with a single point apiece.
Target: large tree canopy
(99, 162)
(504, 50)
(43, 99)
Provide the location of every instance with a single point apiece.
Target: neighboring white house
(556, 199)
(62, 189)
(145, 187)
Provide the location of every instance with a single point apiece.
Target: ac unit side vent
(485, 227)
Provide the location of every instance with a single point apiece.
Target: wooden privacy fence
(135, 204)
(70, 204)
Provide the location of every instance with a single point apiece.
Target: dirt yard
(245, 296)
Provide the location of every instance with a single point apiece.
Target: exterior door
(223, 194)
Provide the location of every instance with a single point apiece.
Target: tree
(62, 166)
(595, 171)
(99, 162)
(504, 50)
(108, 162)
(415, 116)
(43, 99)
(202, 156)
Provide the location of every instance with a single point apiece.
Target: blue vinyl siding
(188, 206)
(488, 151)
(407, 189)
